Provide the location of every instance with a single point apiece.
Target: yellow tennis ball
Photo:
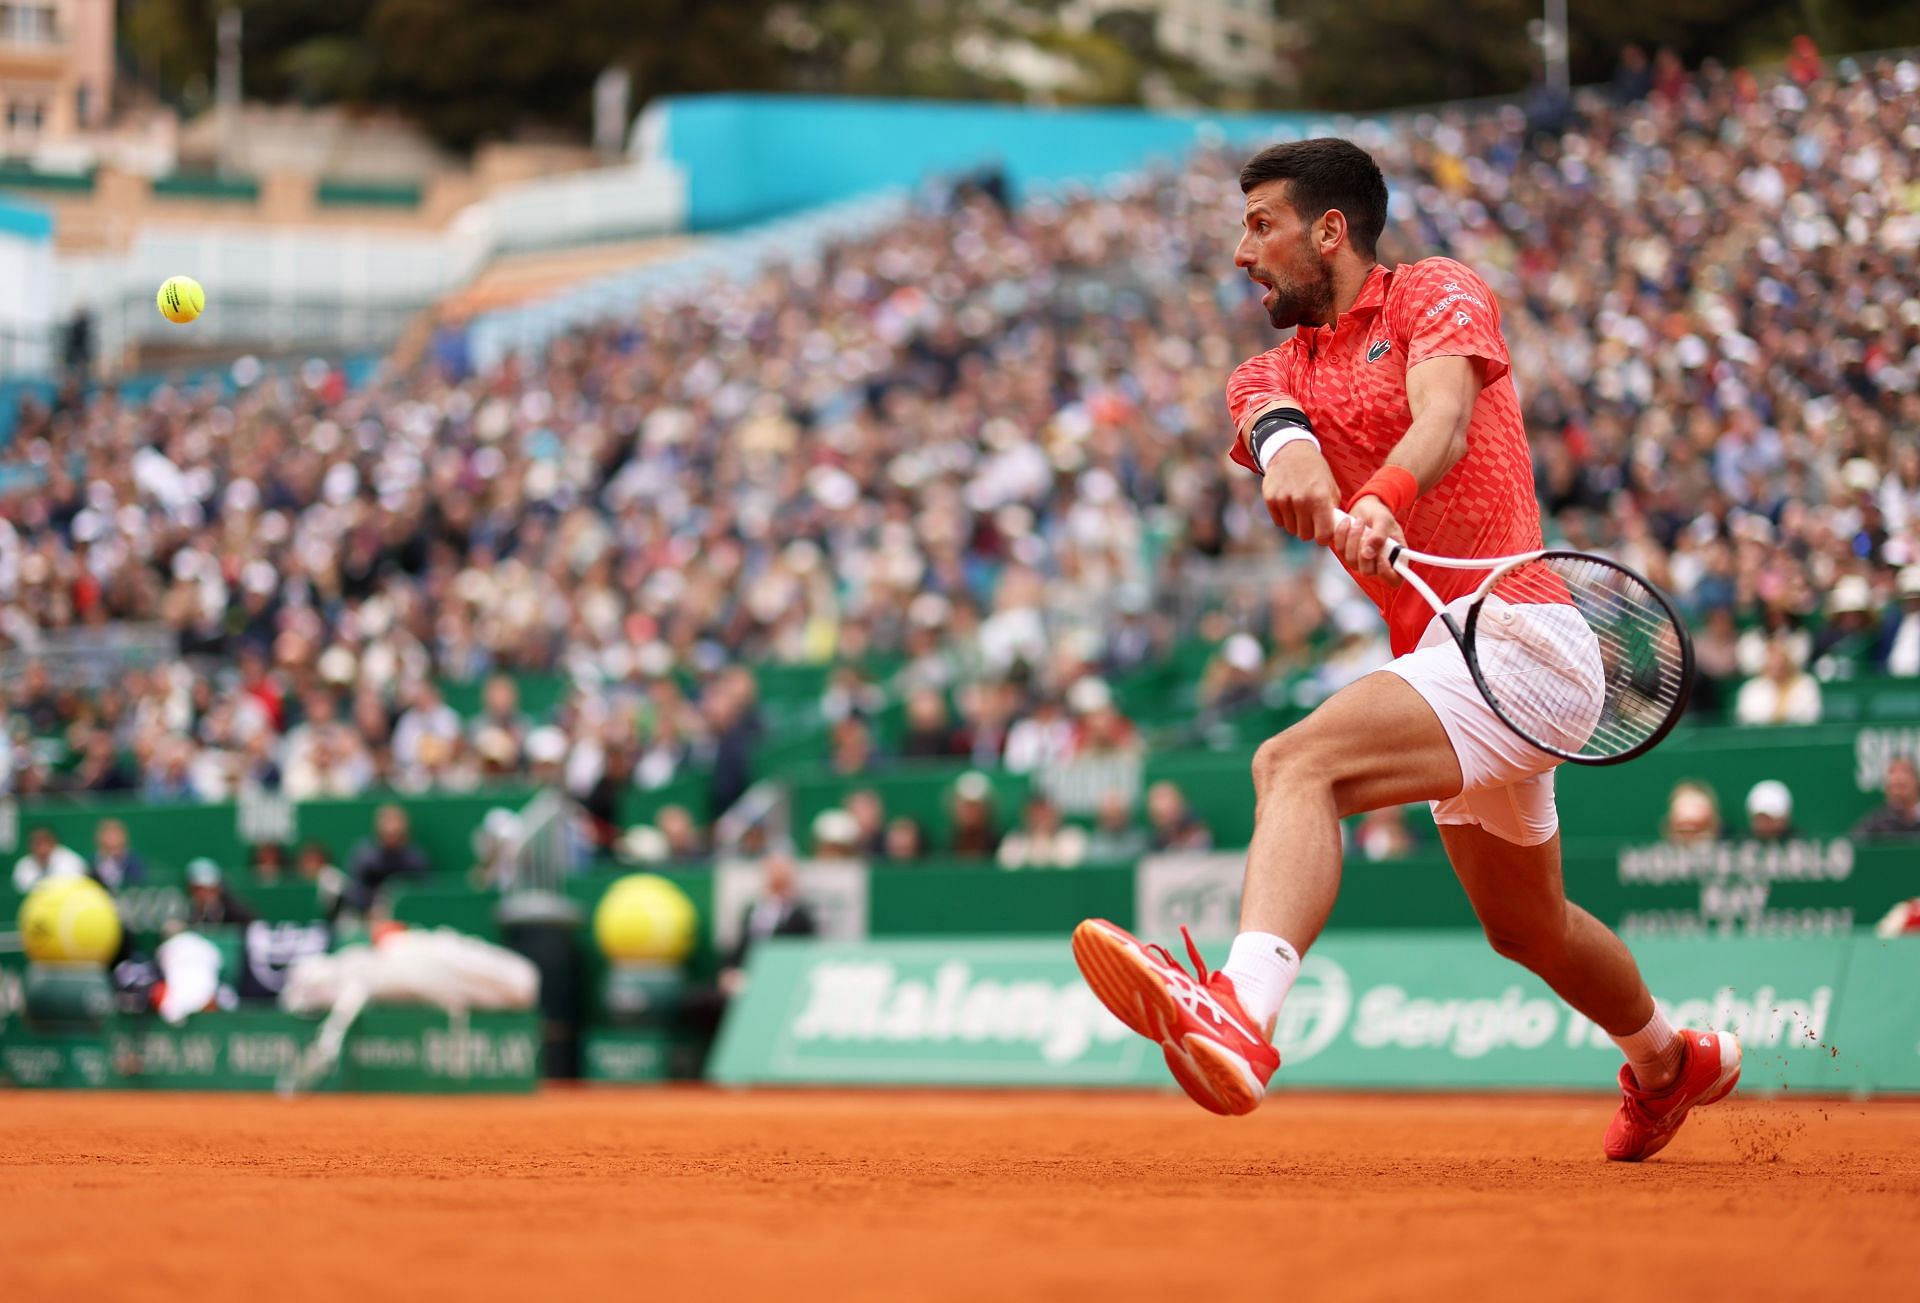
(644, 918)
(181, 299)
(69, 920)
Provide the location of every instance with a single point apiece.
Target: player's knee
(1285, 762)
(1536, 945)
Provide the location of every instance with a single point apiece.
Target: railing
(492, 336)
(766, 806)
(92, 656)
(541, 850)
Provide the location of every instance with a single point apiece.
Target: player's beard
(1304, 302)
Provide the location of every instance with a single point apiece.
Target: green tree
(1388, 52)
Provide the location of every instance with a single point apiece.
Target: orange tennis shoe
(1216, 1052)
(1647, 1120)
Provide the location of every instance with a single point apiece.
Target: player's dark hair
(1326, 173)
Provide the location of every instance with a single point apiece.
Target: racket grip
(1394, 547)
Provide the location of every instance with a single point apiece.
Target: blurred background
(778, 449)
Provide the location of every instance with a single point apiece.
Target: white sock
(1653, 1052)
(1262, 967)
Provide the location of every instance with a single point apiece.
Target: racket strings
(1591, 663)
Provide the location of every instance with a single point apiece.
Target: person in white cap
(1770, 811)
(1845, 647)
(975, 833)
(1900, 645)
(835, 833)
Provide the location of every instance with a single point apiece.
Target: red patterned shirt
(1351, 379)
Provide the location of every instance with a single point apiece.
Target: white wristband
(1264, 454)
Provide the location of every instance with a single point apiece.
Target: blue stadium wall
(751, 158)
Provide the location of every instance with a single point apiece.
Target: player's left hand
(1361, 539)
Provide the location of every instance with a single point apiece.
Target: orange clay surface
(795, 1197)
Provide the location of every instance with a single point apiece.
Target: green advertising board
(1883, 1011)
(397, 1048)
(983, 1012)
(1402, 1010)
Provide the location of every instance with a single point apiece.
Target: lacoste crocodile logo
(1379, 350)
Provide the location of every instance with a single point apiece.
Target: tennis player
(1391, 400)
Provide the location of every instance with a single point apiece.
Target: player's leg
(1376, 742)
(1520, 899)
(1505, 846)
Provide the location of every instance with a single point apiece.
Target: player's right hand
(1300, 493)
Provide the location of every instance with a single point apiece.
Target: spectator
(1171, 826)
(1803, 61)
(209, 902)
(169, 773)
(870, 820)
(930, 732)
(1693, 815)
(850, 747)
(1100, 729)
(1632, 78)
(836, 836)
(499, 731)
(732, 716)
(1845, 648)
(497, 849)
(114, 864)
(1116, 838)
(258, 769)
(45, 858)
(322, 757)
(777, 911)
(1233, 679)
(1043, 840)
(905, 842)
(1042, 739)
(388, 857)
(684, 840)
(101, 769)
(314, 864)
(603, 802)
(987, 716)
(1899, 814)
(1783, 693)
(975, 834)
(424, 738)
(641, 844)
(268, 864)
(1383, 834)
(546, 756)
(1900, 635)
(36, 700)
(1770, 812)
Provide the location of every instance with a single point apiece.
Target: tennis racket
(1576, 653)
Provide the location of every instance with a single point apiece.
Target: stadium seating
(957, 440)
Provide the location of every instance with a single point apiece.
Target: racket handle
(1394, 547)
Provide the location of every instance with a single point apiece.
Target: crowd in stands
(987, 446)
(388, 857)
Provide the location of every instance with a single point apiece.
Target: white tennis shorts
(1508, 782)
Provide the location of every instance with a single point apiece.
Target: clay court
(802, 1196)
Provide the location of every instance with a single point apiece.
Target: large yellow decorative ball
(69, 920)
(644, 918)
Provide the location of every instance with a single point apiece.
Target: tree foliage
(1388, 52)
(475, 69)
